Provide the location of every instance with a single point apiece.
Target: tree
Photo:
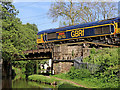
(67, 11)
(71, 13)
(16, 37)
(104, 10)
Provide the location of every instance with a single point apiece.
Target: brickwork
(64, 52)
(62, 67)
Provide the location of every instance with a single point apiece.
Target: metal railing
(79, 64)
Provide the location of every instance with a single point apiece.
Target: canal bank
(57, 82)
(19, 80)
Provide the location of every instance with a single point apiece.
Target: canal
(22, 83)
(8, 82)
(16, 80)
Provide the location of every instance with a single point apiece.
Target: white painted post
(52, 71)
(50, 62)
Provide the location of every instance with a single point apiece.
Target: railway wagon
(106, 31)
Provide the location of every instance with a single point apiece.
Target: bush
(108, 71)
(78, 73)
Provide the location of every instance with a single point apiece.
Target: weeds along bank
(57, 83)
(106, 75)
(22, 69)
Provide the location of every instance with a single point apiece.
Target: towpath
(68, 81)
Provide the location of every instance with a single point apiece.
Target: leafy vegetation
(104, 77)
(26, 67)
(78, 73)
(19, 73)
(16, 37)
(108, 61)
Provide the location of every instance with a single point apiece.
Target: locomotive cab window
(51, 36)
(106, 29)
(102, 30)
(98, 30)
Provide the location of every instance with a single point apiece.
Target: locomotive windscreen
(51, 36)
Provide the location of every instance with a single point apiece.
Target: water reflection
(0, 77)
(21, 84)
(6, 82)
(29, 84)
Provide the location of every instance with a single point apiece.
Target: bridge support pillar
(61, 67)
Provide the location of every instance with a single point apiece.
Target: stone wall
(64, 52)
(86, 52)
(62, 67)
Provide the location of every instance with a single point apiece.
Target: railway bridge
(62, 55)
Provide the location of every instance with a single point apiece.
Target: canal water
(8, 82)
(23, 83)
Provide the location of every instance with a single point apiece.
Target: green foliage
(30, 68)
(107, 59)
(78, 73)
(19, 73)
(16, 37)
(25, 67)
(19, 64)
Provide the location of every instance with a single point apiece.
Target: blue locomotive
(104, 30)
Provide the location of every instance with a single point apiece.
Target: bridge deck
(38, 50)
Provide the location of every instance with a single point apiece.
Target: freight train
(105, 31)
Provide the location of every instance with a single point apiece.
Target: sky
(35, 12)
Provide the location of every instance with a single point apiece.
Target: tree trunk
(6, 69)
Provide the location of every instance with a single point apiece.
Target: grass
(51, 80)
(87, 82)
(41, 78)
(81, 82)
(36, 84)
